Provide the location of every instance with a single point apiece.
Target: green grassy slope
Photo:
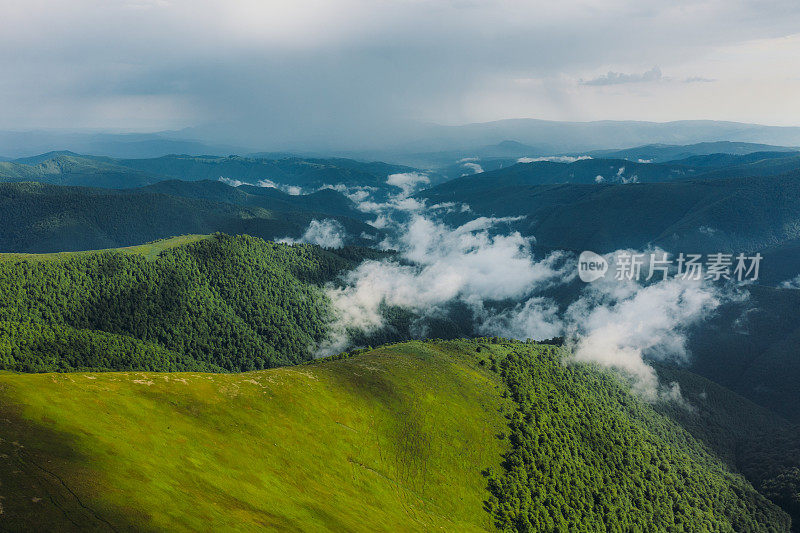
(72, 169)
(150, 250)
(393, 439)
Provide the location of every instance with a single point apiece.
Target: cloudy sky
(309, 68)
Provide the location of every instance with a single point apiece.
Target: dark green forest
(39, 218)
(588, 456)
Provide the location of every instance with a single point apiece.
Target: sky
(312, 68)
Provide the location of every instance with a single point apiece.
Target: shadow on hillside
(44, 480)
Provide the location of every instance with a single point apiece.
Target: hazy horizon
(280, 74)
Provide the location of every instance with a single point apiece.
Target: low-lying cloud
(232, 182)
(471, 168)
(619, 325)
(327, 233)
(492, 271)
(793, 283)
(488, 268)
(439, 265)
(408, 182)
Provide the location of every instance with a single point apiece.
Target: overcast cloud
(272, 72)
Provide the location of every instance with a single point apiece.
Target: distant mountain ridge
(566, 169)
(68, 168)
(16, 144)
(661, 153)
(562, 137)
(551, 137)
(37, 217)
(737, 214)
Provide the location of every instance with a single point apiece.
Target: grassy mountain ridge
(403, 432)
(74, 169)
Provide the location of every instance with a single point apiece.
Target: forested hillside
(312, 173)
(587, 456)
(219, 303)
(67, 168)
(48, 218)
(751, 347)
(325, 201)
(735, 215)
(752, 440)
(458, 436)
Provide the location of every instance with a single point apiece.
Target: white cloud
(617, 78)
(466, 263)
(618, 324)
(408, 182)
(793, 283)
(232, 182)
(473, 168)
(293, 190)
(327, 233)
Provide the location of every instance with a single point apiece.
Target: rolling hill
(751, 347)
(668, 162)
(737, 215)
(325, 201)
(585, 171)
(214, 303)
(68, 168)
(566, 137)
(406, 436)
(505, 172)
(306, 173)
(750, 439)
(48, 218)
